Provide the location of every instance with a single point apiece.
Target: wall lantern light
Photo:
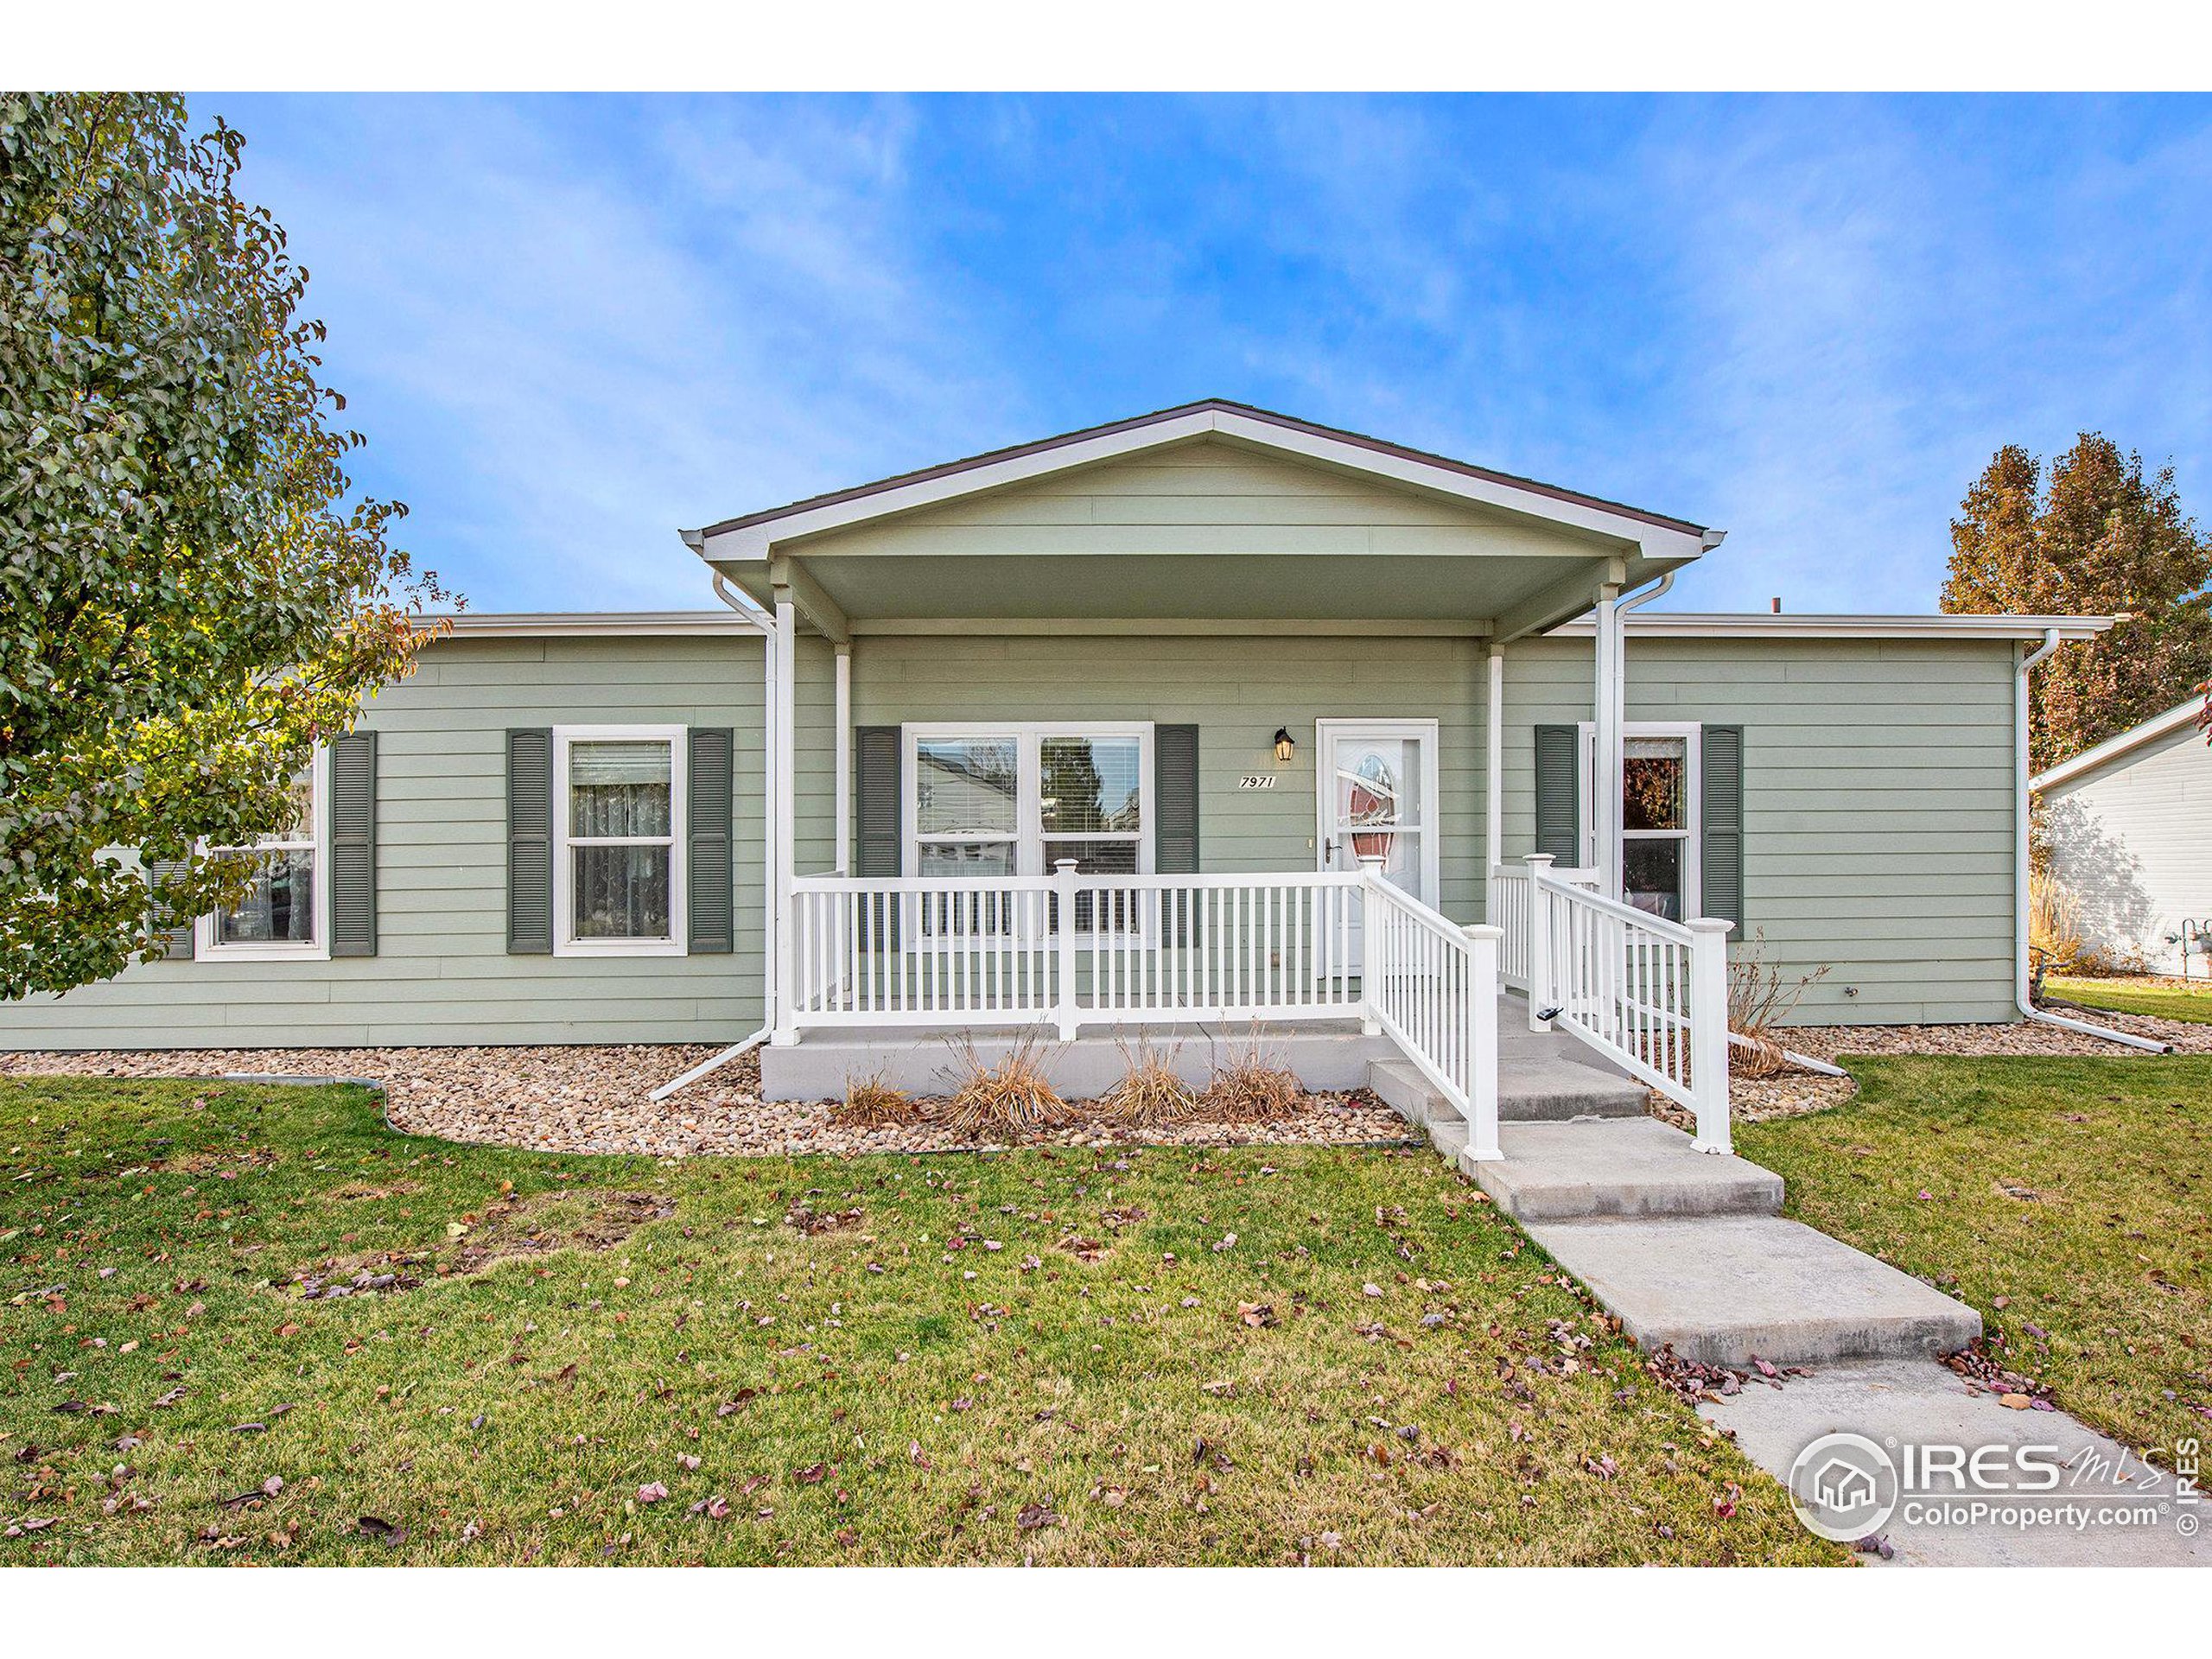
(1284, 747)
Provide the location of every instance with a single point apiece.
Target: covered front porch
(1084, 705)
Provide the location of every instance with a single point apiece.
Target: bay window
(618, 823)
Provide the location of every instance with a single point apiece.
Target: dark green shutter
(176, 939)
(1175, 799)
(1175, 815)
(1558, 794)
(878, 801)
(879, 830)
(710, 912)
(353, 845)
(530, 842)
(1720, 850)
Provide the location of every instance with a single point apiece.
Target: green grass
(2137, 996)
(852, 1395)
(2079, 1191)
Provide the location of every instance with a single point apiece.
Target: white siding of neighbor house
(2132, 839)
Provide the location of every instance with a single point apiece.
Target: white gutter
(2021, 996)
(755, 617)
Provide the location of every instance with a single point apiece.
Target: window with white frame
(1012, 800)
(1660, 814)
(282, 914)
(618, 826)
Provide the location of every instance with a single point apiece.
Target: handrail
(1432, 987)
(1647, 992)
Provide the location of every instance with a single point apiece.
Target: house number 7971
(1257, 780)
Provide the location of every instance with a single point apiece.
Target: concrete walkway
(1691, 1251)
(1897, 1402)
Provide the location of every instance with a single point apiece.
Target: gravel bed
(597, 1098)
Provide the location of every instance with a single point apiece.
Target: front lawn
(2159, 998)
(2071, 1199)
(1118, 1356)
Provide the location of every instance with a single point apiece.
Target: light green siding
(442, 974)
(1236, 690)
(1877, 799)
(1878, 802)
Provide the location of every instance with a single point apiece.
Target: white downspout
(2021, 996)
(758, 619)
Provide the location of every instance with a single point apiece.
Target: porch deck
(1542, 1076)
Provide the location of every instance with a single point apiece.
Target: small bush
(2054, 923)
(871, 1103)
(1149, 1093)
(1010, 1098)
(1759, 999)
(1252, 1085)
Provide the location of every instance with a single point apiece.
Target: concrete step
(1622, 1166)
(1539, 1088)
(1723, 1288)
(1545, 1088)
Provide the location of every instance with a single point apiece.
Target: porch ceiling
(1502, 594)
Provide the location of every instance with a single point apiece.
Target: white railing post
(1539, 942)
(1709, 1033)
(1371, 912)
(1064, 903)
(1482, 1043)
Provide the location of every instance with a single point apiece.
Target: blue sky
(570, 325)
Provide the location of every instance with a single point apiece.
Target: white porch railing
(946, 953)
(1650, 994)
(1509, 899)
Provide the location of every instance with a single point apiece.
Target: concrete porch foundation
(1540, 1074)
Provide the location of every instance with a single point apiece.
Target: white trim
(2112, 749)
(1430, 828)
(205, 943)
(1692, 833)
(1028, 835)
(753, 540)
(1752, 624)
(564, 942)
(561, 625)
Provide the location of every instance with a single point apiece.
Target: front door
(1378, 800)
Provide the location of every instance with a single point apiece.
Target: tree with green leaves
(2090, 536)
(192, 596)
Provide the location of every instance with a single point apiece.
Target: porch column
(1607, 703)
(1494, 787)
(786, 834)
(843, 748)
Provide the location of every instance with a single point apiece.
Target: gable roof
(2174, 720)
(1355, 451)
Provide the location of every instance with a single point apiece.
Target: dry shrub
(2054, 922)
(1149, 1093)
(1252, 1085)
(1009, 1098)
(1760, 999)
(871, 1102)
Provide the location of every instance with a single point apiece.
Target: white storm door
(1377, 787)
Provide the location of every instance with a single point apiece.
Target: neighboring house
(1294, 705)
(2129, 824)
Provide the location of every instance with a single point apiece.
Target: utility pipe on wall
(2022, 996)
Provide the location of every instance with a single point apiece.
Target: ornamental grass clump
(1252, 1085)
(1760, 1000)
(871, 1102)
(1150, 1094)
(1008, 1098)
